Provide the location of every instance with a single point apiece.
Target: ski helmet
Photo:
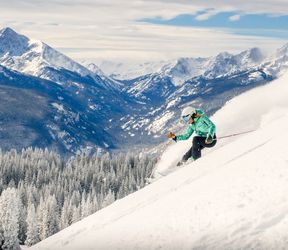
(187, 113)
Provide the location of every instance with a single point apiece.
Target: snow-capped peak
(223, 55)
(254, 55)
(283, 51)
(226, 63)
(127, 70)
(9, 33)
(11, 43)
(33, 57)
(183, 69)
(277, 63)
(94, 68)
(97, 71)
(222, 64)
(7, 30)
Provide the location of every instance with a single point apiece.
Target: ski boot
(180, 163)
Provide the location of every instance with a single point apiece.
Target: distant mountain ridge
(183, 69)
(83, 108)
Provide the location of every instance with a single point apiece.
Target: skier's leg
(198, 144)
(187, 155)
(196, 148)
(195, 151)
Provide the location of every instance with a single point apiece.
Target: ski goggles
(185, 119)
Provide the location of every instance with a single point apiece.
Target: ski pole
(236, 134)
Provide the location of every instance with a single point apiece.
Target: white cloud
(153, 42)
(110, 30)
(206, 15)
(234, 18)
(279, 7)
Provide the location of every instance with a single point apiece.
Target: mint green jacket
(202, 126)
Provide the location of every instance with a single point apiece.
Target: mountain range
(50, 100)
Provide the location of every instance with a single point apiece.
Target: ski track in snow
(233, 198)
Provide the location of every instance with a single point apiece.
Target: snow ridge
(183, 69)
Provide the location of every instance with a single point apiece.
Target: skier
(205, 133)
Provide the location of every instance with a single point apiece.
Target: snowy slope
(233, 198)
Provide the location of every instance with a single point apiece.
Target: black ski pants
(197, 145)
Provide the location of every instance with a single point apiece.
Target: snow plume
(233, 198)
(254, 109)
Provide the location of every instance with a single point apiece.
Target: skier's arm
(211, 126)
(185, 136)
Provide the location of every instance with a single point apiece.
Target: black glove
(209, 139)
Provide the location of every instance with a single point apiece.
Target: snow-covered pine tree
(9, 219)
(32, 227)
(22, 222)
(58, 189)
(40, 219)
(76, 215)
(50, 219)
(109, 199)
(66, 215)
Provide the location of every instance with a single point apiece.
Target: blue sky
(266, 25)
(149, 30)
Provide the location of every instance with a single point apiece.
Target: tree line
(41, 193)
